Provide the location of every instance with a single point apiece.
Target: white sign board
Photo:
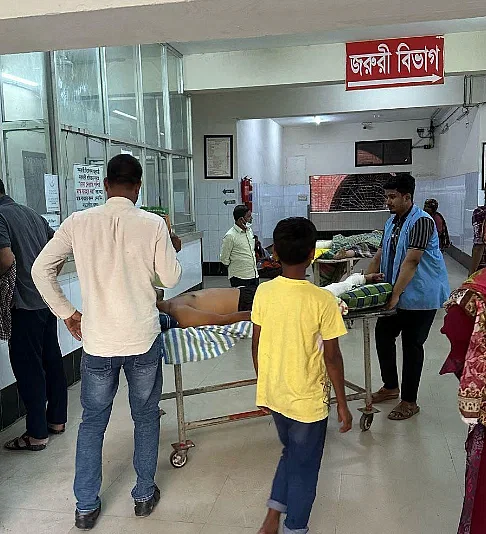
(51, 190)
(88, 186)
(53, 219)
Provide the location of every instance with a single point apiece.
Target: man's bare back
(216, 300)
(205, 307)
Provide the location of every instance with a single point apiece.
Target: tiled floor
(400, 477)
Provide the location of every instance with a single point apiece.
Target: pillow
(319, 252)
(368, 296)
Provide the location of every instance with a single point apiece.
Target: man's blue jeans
(99, 384)
(295, 482)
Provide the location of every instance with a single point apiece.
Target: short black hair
(403, 182)
(124, 169)
(240, 211)
(294, 239)
(2, 188)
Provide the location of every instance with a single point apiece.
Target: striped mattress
(196, 344)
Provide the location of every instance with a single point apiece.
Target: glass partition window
(179, 122)
(121, 73)
(164, 181)
(178, 103)
(121, 148)
(151, 179)
(27, 161)
(22, 77)
(174, 72)
(182, 190)
(78, 79)
(79, 151)
(156, 179)
(153, 101)
(127, 99)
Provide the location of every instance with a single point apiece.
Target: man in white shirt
(238, 250)
(118, 250)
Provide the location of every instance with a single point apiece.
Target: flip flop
(402, 412)
(24, 445)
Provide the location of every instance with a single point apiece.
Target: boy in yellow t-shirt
(296, 352)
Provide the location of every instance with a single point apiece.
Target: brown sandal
(17, 445)
(403, 411)
(56, 431)
(383, 395)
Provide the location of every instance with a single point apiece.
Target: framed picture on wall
(483, 170)
(218, 157)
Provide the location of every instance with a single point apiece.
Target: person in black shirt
(34, 350)
(420, 235)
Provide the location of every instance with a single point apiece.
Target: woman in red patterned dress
(465, 326)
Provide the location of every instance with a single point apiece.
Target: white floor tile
(118, 525)
(20, 521)
(369, 505)
(220, 529)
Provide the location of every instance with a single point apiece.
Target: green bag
(369, 296)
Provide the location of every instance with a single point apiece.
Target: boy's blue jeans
(295, 482)
(99, 384)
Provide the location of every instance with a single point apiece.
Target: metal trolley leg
(178, 457)
(368, 411)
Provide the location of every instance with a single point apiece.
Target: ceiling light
(123, 114)
(17, 79)
(317, 120)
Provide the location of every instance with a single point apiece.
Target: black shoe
(87, 521)
(145, 508)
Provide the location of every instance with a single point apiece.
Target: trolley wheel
(178, 459)
(366, 421)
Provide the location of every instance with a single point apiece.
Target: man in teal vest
(410, 258)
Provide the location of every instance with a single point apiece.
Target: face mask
(248, 225)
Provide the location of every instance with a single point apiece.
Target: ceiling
(393, 115)
(70, 24)
(332, 36)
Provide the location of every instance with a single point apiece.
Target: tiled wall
(271, 203)
(457, 197)
(213, 217)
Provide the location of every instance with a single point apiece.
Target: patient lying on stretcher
(214, 306)
(222, 306)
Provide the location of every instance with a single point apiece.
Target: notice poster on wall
(88, 186)
(51, 191)
(218, 156)
(54, 220)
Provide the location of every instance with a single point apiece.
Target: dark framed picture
(380, 153)
(218, 157)
(483, 170)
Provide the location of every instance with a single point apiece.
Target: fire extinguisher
(246, 192)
